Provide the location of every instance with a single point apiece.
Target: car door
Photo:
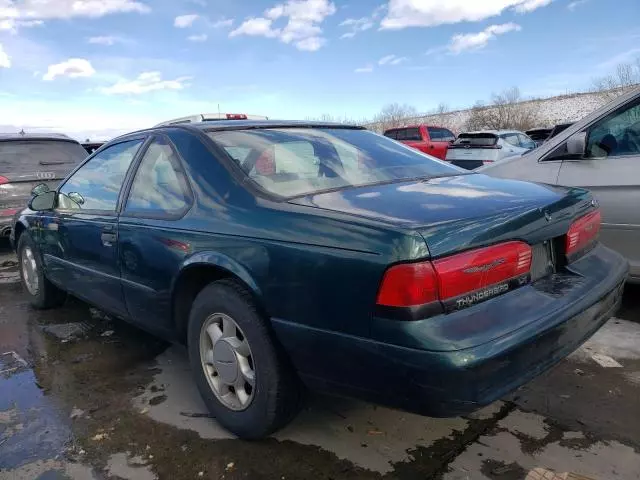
(526, 142)
(151, 244)
(440, 139)
(611, 170)
(413, 138)
(80, 248)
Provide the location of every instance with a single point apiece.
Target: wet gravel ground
(83, 396)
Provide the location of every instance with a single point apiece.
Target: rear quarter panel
(308, 267)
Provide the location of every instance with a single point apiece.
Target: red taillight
(477, 269)
(485, 162)
(414, 284)
(236, 116)
(9, 212)
(583, 232)
(408, 285)
(3, 180)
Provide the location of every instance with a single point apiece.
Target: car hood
(458, 212)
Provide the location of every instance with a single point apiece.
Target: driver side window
(616, 135)
(96, 186)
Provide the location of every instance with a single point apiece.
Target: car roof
(7, 137)
(496, 132)
(222, 125)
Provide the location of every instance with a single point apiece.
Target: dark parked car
(286, 251)
(91, 147)
(27, 160)
(538, 135)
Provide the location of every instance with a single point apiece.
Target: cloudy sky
(101, 67)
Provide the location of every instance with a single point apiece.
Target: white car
(211, 117)
(475, 149)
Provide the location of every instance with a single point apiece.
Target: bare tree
(394, 115)
(625, 77)
(328, 118)
(507, 110)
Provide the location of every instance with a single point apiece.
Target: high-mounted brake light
(3, 180)
(583, 233)
(236, 116)
(457, 281)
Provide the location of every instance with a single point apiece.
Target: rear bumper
(453, 364)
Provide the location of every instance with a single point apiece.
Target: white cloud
(145, 83)
(430, 13)
(392, 60)
(258, 27)
(184, 21)
(577, 3)
(29, 13)
(12, 25)
(223, 23)
(531, 5)
(72, 68)
(303, 23)
(5, 60)
(311, 44)
(367, 69)
(357, 25)
(198, 38)
(107, 40)
(475, 41)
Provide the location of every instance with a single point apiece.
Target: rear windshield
(32, 156)
(477, 139)
(297, 161)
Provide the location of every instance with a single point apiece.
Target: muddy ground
(83, 396)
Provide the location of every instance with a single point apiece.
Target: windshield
(295, 161)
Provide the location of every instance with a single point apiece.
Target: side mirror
(577, 144)
(39, 189)
(76, 198)
(43, 201)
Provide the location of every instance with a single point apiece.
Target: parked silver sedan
(601, 153)
(475, 149)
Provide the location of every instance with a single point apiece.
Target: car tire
(275, 394)
(42, 293)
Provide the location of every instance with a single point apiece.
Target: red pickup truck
(426, 138)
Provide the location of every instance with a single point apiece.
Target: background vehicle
(281, 251)
(474, 149)
(27, 160)
(211, 117)
(91, 147)
(426, 138)
(561, 127)
(538, 135)
(601, 153)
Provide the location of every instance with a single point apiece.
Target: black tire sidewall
(263, 415)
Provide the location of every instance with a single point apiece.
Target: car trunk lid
(461, 212)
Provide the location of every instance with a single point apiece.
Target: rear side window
(413, 134)
(391, 134)
(511, 139)
(40, 157)
(159, 188)
(477, 139)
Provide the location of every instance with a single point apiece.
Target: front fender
(222, 261)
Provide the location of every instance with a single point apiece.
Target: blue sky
(100, 67)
